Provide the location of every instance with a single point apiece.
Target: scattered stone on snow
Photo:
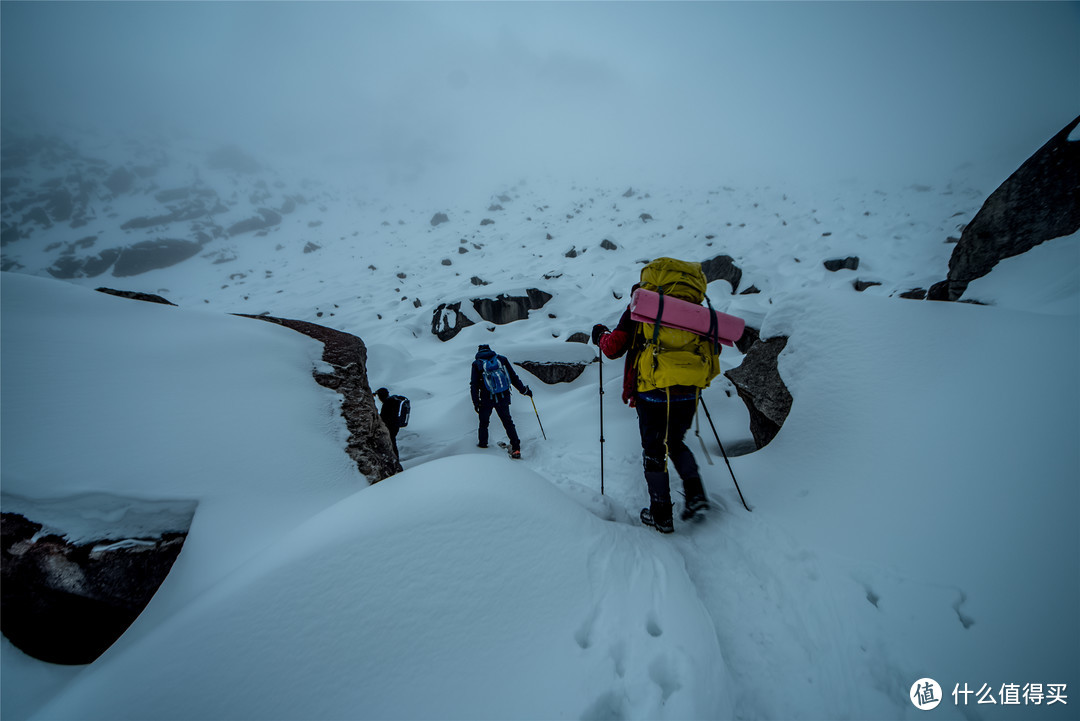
(849, 263)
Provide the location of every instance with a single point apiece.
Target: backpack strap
(656, 340)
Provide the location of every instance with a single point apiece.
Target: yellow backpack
(669, 356)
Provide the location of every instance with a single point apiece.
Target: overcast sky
(703, 91)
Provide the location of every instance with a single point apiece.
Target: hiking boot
(515, 455)
(694, 507)
(481, 445)
(661, 522)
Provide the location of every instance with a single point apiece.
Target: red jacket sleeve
(615, 343)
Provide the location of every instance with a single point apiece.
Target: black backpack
(401, 411)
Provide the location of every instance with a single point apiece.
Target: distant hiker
(395, 414)
(492, 376)
(664, 372)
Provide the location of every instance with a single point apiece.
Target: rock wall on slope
(369, 441)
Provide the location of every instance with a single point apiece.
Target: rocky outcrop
(127, 261)
(135, 295)
(758, 382)
(448, 320)
(67, 603)
(722, 267)
(369, 442)
(553, 372)
(68, 266)
(265, 220)
(1038, 202)
(509, 308)
(153, 254)
(439, 218)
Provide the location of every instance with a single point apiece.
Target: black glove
(598, 330)
(527, 392)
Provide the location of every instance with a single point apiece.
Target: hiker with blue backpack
(665, 370)
(492, 376)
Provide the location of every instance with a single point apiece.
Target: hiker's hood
(485, 354)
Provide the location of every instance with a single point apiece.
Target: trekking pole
(601, 358)
(538, 417)
(722, 451)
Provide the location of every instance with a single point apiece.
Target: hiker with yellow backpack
(665, 370)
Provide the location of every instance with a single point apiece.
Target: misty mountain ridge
(182, 217)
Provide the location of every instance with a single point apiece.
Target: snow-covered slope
(913, 518)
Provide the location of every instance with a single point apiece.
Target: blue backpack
(496, 380)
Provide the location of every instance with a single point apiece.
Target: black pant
(660, 420)
(502, 407)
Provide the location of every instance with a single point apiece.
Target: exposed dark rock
(629, 193)
(266, 219)
(749, 337)
(447, 261)
(66, 267)
(915, 294)
(722, 267)
(645, 217)
(507, 309)
(607, 244)
(758, 382)
(59, 204)
(39, 216)
(938, 291)
(553, 372)
(448, 320)
(135, 295)
(120, 181)
(153, 254)
(476, 280)
(67, 603)
(311, 247)
(851, 263)
(439, 218)
(369, 441)
(494, 206)
(751, 290)
(572, 253)
(578, 337)
(487, 221)
(861, 285)
(1040, 201)
(9, 233)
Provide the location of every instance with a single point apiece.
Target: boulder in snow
(65, 602)
(722, 267)
(448, 320)
(507, 308)
(1040, 201)
(758, 381)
